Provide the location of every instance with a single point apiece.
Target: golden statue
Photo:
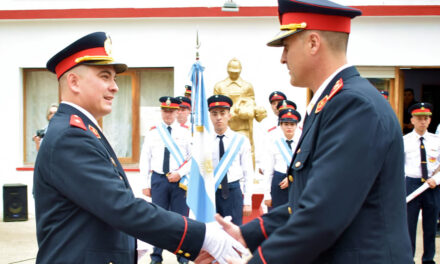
(244, 109)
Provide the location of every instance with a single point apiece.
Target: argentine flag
(201, 190)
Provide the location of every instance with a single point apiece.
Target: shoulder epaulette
(153, 127)
(76, 121)
(270, 129)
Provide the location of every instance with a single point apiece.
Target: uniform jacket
(85, 209)
(347, 199)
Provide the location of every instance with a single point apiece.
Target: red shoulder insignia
(185, 126)
(270, 129)
(77, 122)
(321, 104)
(153, 127)
(94, 131)
(336, 88)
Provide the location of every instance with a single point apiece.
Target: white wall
(156, 42)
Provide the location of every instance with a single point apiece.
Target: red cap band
(69, 62)
(277, 97)
(219, 104)
(172, 105)
(185, 104)
(318, 21)
(424, 110)
(289, 115)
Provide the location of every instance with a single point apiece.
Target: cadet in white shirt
(280, 154)
(422, 159)
(163, 162)
(232, 161)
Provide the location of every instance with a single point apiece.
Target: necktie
(166, 157)
(289, 142)
(224, 183)
(423, 160)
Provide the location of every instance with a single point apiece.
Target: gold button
(220, 186)
(180, 251)
(289, 209)
(187, 255)
(110, 263)
(298, 151)
(290, 178)
(297, 164)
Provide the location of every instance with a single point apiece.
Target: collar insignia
(321, 104)
(94, 131)
(76, 121)
(336, 88)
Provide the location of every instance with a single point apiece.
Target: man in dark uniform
(347, 195)
(85, 209)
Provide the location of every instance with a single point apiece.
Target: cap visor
(277, 41)
(119, 67)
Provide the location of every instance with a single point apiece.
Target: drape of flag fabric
(201, 186)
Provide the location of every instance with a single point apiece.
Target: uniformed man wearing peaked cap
(279, 153)
(187, 91)
(232, 161)
(422, 161)
(184, 111)
(346, 202)
(384, 94)
(85, 208)
(286, 104)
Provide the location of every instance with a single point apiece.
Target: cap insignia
(168, 102)
(108, 46)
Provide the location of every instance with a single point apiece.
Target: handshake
(223, 243)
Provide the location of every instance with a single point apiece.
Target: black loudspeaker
(15, 202)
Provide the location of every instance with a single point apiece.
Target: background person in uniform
(187, 93)
(85, 209)
(408, 101)
(38, 137)
(422, 160)
(229, 196)
(184, 112)
(159, 166)
(347, 194)
(280, 154)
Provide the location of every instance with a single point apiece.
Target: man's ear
(314, 42)
(73, 82)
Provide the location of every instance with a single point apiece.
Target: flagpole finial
(198, 44)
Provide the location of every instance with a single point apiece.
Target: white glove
(220, 244)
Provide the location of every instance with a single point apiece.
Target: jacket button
(289, 209)
(290, 178)
(297, 164)
(180, 251)
(187, 255)
(298, 151)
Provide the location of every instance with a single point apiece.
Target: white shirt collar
(84, 111)
(227, 133)
(322, 88)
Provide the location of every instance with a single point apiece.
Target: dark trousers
(279, 196)
(233, 205)
(169, 196)
(429, 203)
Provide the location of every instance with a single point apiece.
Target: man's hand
(173, 176)
(431, 182)
(232, 229)
(147, 192)
(284, 183)
(268, 203)
(219, 245)
(247, 210)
